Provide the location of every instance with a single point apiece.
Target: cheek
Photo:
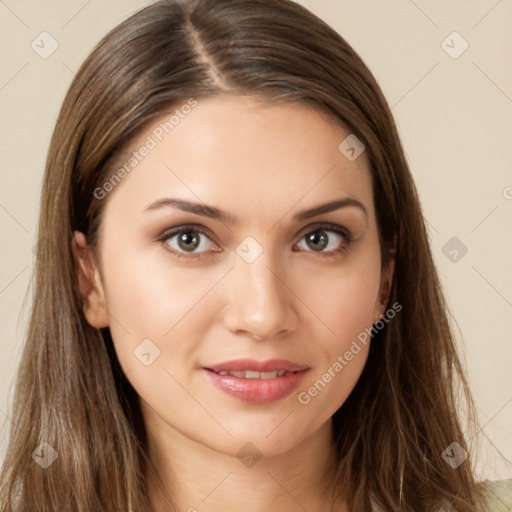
(159, 312)
(331, 385)
(344, 297)
(342, 353)
(149, 299)
(345, 303)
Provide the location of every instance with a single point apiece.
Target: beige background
(454, 117)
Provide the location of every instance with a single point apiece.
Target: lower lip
(257, 391)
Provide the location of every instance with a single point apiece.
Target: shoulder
(498, 495)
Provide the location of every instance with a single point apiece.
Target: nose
(260, 301)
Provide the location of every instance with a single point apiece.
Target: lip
(257, 391)
(257, 366)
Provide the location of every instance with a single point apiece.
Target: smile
(257, 382)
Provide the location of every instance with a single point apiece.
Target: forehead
(244, 155)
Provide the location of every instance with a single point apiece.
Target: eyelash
(348, 239)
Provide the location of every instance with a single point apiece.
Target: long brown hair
(70, 391)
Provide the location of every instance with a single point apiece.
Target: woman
(238, 307)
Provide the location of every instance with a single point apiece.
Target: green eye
(321, 240)
(185, 240)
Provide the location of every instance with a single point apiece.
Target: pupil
(188, 238)
(318, 238)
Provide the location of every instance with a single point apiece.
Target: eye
(187, 241)
(319, 240)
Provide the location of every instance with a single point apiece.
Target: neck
(189, 476)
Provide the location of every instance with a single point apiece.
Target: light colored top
(498, 494)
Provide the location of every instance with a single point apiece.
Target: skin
(262, 163)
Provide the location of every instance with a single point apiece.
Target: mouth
(250, 374)
(257, 382)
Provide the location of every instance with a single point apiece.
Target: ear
(385, 283)
(89, 283)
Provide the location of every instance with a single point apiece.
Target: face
(216, 248)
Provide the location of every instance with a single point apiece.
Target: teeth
(250, 374)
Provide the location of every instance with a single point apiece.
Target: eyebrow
(220, 215)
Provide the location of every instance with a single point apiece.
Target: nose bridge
(259, 301)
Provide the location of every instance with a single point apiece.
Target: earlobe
(89, 283)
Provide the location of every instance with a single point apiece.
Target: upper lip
(257, 366)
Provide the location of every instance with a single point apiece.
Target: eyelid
(327, 226)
